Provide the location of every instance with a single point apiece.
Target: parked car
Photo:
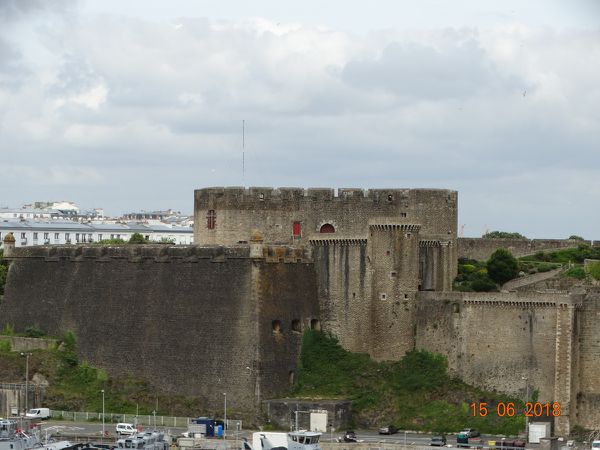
(438, 441)
(350, 436)
(470, 432)
(125, 429)
(462, 440)
(390, 429)
(38, 413)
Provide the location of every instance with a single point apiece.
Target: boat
(144, 440)
(293, 440)
(13, 438)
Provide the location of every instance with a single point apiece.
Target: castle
(373, 267)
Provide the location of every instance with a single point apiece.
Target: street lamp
(524, 378)
(102, 413)
(26, 355)
(224, 414)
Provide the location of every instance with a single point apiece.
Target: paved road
(93, 430)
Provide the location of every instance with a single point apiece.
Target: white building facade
(55, 232)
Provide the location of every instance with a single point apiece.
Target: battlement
(240, 195)
(158, 253)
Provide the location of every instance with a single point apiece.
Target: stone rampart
(191, 320)
(492, 340)
(482, 248)
(588, 394)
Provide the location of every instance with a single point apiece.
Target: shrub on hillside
(483, 285)
(544, 267)
(594, 270)
(502, 266)
(576, 272)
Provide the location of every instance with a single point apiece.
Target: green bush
(8, 330)
(503, 235)
(576, 272)
(544, 267)
(34, 332)
(413, 393)
(69, 354)
(110, 241)
(574, 237)
(137, 238)
(502, 266)
(4, 346)
(594, 270)
(469, 268)
(483, 285)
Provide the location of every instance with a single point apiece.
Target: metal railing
(142, 419)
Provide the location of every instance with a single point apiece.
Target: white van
(125, 429)
(38, 413)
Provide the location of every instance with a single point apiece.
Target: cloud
(156, 108)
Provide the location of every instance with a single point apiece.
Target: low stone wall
(25, 344)
(481, 249)
(529, 280)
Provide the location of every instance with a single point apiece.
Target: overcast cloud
(131, 107)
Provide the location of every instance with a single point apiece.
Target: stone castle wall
(206, 320)
(191, 320)
(238, 211)
(482, 248)
(344, 290)
(588, 394)
(547, 341)
(228, 316)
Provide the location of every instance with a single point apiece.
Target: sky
(133, 105)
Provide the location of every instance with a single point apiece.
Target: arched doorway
(327, 228)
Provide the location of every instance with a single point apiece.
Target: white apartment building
(56, 232)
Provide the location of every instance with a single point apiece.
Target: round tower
(394, 259)
(9, 244)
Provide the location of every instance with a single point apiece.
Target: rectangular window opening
(211, 219)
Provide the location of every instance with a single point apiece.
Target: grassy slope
(414, 393)
(76, 386)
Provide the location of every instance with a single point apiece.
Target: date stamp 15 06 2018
(532, 409)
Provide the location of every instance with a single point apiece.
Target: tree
(574, 237)
(137, 238)
(502, 266)
(503, 235)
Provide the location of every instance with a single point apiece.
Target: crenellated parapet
(161, 253)
(252, 195)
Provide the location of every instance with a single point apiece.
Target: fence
(144, 420)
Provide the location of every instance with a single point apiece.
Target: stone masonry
(374, 267)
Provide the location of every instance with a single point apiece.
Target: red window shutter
(297, 229)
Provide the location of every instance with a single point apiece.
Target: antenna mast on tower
(243, 155)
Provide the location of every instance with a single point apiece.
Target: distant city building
(63, 222)
(151, 215)
(60, 232)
